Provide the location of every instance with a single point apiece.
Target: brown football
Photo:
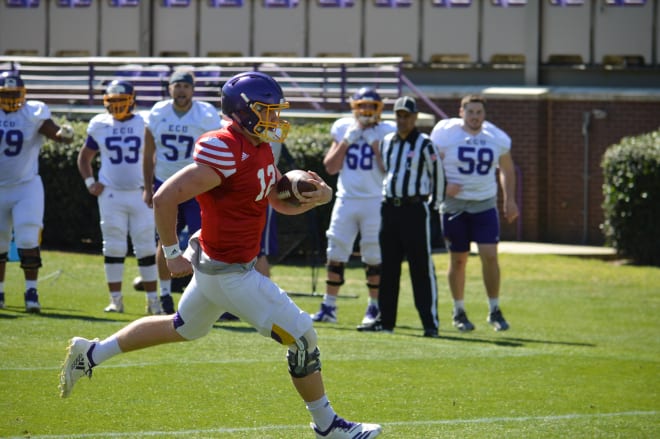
(292, 184)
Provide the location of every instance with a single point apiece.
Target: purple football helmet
(12, 92)
(367, 105)
(254, 101)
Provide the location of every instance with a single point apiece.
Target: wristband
(172, 251)
(89, 181)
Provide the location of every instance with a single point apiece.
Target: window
(506, 3)
(336, 3)
(176, 3)
(124, 3)
(225, 3)
(74, 3)
(280, 3)
(22, 3)
(566, 2)
(451, 3)
(625, 2)
(392, 3)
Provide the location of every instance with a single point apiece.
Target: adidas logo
(80, 365)
(244, 156)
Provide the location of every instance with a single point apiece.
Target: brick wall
(549, 148)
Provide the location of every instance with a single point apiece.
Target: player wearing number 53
(471, 150)
(118, 136)
(173, 125)
(24, 125)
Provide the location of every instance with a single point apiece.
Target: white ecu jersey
(470, 160)
(359, 176)
(20, 142)
(121, 145)
(175, 135)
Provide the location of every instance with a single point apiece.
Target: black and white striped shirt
(412, 167)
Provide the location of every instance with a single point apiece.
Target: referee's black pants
(405, 232)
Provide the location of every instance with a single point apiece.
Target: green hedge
(631, 192)
(71, 220)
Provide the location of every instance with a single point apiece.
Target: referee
(414, 182)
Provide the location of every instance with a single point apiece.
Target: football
(292, 184)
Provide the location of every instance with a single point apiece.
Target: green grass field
(582, 360)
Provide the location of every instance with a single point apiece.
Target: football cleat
(32, 301)
(76, 364)
(167, 304)
(2, 300)
(375, 326)
(462, 323)
(326, 314)
(340, 429)
(496, 319)
(371, 315)
(153, 306)
(431, 333)
(116, 305)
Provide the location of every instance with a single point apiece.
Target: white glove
(371, 136)
(65, 132)
(353, 134)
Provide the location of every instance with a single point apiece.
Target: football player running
(118, 136)
(355, 155)
(173, 125)
(24, 126)
(232, 176)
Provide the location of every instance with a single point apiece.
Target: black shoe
(497, 320)
(375, 326)
(462, 323)
(431, 333)
(180, 283)
(167, 304)
(138, 285)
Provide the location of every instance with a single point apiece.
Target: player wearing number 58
(118, 136)
(472, 149)
(24, 126)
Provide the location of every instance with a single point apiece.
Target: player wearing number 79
(118, 136)
(24, 125)
(471, 150)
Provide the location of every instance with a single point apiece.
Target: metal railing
(309, 84)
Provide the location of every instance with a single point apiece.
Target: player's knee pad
(4, 257)
(303, 356)
(336, 268)
(372, 270)
(30, 258)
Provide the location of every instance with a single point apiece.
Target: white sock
(459, 305)
(152, 295)
(330, 300)
(372, 301)
(165, 287)
(30, 284)
(493, 303)
(105, 349)
(2, 287)
(322, 412)
(115, 294)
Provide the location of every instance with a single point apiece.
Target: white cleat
(76, 364)
(342, 429)
(153, 306)
(116, 305)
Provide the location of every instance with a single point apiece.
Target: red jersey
(234, 213)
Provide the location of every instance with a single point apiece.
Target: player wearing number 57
(173, 126)
(471, 149)
(118, 136)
